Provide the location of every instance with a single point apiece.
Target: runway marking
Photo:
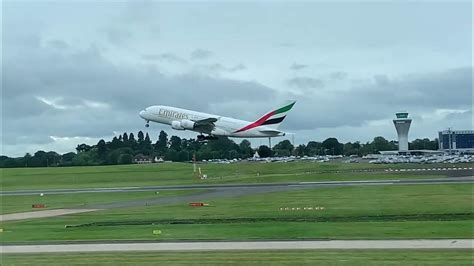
(208, 186)
(347, 182)
(245, 245)
(42, 214)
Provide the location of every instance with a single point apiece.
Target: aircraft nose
(142, 114)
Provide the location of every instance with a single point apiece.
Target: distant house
(142, 159)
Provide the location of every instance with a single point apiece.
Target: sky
(77, 71)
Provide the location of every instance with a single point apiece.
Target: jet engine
(187, 124)
(176, 125)
(183, 124)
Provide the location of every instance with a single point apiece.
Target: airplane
(214, 125)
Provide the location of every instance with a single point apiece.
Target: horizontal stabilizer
(271, 131)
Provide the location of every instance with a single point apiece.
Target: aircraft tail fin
(272, 119)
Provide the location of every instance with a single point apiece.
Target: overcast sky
(80, 71)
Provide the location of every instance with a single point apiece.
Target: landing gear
(204, 138)
(147, 124)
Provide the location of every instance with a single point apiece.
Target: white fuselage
(224, 126)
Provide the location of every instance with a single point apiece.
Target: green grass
(277, 257)
(338, 202)
(22, 203)
(181, 173)
(45, 232)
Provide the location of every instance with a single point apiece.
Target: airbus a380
(214, 125)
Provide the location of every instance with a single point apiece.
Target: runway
(214, 191)
(245, 245)
(41, 214)
(443, 180)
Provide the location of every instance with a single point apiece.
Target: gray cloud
(296, 66)
(59, 44)
(221, 68)
(339, 75)
(92, 97)
(200, 54)
(169, 57)
(381, 97)
(306, 82)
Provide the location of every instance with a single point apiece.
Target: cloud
(200, 54)
(441, 94)
(59, 44)
(306, 82)
(296, 66)
(221, 68)
(339, 75)
(135, 20)
(81, 94)
(169, 57)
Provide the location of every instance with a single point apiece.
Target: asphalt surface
(41, 214)
(443, 180)
(245, 245)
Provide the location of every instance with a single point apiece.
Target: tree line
(124, 148)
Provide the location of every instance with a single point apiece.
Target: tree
(113, 157)
(175, 143)
(332, 146)
(27, 159)
(83, 148)
(67, 158)
(351, 148)
(424, 144)
(162, 143)
(146, 145)
(141, 137)
(223, 145)
(52, 158)
(82, 159)
(284, 148)
(313, 148)
(183, 156)
(172, 155)
(381, 144)
(132, 142)
(147, 138)
(300, 150)
(116, 143)
(125, 159)
(125, 137)
(101, 148)
(264, 151)
(246, 150)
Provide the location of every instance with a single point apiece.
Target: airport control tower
(402, 124)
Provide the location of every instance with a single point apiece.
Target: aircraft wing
(205, 125)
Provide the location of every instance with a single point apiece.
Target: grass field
(348, 203)
(280, 257)
(181, 173)
(13, 204)
(355, 212)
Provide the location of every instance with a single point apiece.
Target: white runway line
(246, 245)
(42, 214)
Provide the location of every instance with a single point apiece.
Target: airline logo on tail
(272, 119)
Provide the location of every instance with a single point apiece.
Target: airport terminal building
(456, 140)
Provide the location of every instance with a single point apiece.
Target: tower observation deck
(402, 125)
